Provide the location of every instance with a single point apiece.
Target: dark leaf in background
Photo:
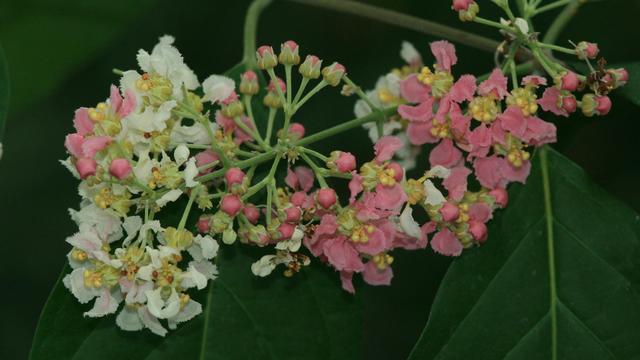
(494, 301)
(632, 90)
(4, 95)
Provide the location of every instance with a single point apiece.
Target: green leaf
(4, 95)
(502, 300)
(632, 89)
(244, 317)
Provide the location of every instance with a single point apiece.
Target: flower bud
(620, 77)
(292, 214)
(120, 168)
(595, 105)
(326, 197)
(586, 50)
(234, 176)
(266, 58)
(398, 171)
(252, 213)
(604, 105)
(272, 100)
(203, 224)
(449, 212)
(310, 68)
(204, 158)
(285, 231)
(341, 161)
(569, 103)
(86, 167)
(467, 9)
(478, 231)
(298, 198)
(501, 197)
(296, 131)
(333, 74)
(568, 80)
(249, 83)
(289, 53)
(232, 107)
(231, 205)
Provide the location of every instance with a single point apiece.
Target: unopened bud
(249, 83)
(310, 68)
(266, 58)
(326, 197)
(333, 74)
(586, 50)
(289, 53)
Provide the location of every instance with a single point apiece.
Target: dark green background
(60, 56)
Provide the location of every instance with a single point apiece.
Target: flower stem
(306, 98)
(303, 85)
(314, 153)
(187, 209)
(276, 84)
(316, 170)
(250, 28)
(406, 21)
(272, 116)
(551, 6)
(561, 21)
(365, 98)
(557, 48)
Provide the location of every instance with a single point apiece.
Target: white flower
(131, 225)
(166, 60)
(128, 319)
(203, 247)
(434, 196)
(229, 236)
(150, 321)
(206, 268)
(292, 244)
(190, 172)
(136, 126)
(89, 241)
(135, 290)
(181, 154)
(193, 278)
(190, 310)
(128, 84)
(193, 134)
(170, 196)
(105, 221)
(163, 308)
(439, 171)
(107, 303)
(408, 225)
(217, 88)
(75, 283)
(72, 169)
(264, 266)
(409, 54)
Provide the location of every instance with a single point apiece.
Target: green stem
(262, 183)
(250, 28)
(561, 21)
(558, 48)
(272, 116)
(287, 75)
(344, 127)
(264, 157)
(318, 171)
(251, 132)
(303, 85)
(276, 84)
(550, 249)
(187, 209)
(365, 98)
(306, 98)
(494, 24)
(551, 6)
(249, 109)
(269, 207)
(405, 21)
(314, 153)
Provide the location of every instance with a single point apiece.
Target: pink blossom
(478, 231)
(377, 243)
(272, 86)
(204, 158)
(419, 133)
(81, 121)
(445, 54)
(297, 130)
(412, 90)
(86, 167)
(495, 85)
(551, 98)
(325, 230)
(449, 212)
(463, 89)
(480, 211)
(534, 80)
(389, 197)
(493, 172)
(298, 198)
(342, 255)
(234, 176)
(386, 147)
(285, 230)
(569, 81)
(122, 107)
(398, 170)
(456, 182)
(513, 120)
(355, 186)
(301, 177)
(231, 204)
(460, 5)
(292, 214)
(445, 154)
(203, 224)
(326, 197)
(445, 242)
(604, 105)
(345, 162)
(501, 197)
(94, 144)
(480, 141)
(346, 278)
(120, 168)
(251, 212)
(539, 132)
(421, 112)
(374, 276)
(73, 143)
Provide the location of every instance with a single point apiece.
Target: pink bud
(292, 214)
(233, 97)
(249, 75)
(459, 5)
(591, 50)
(252, 213)
(203, 224)
(501, 196)
(570, 81)
(569, 103)
(291, 45)
(346, 162)
(265, 50)
(73, 143)
(478, 230)
(286, 231)
(449, 212)
(86, 167)
(272, 86)
(604, 105)
(326, 197)
(120, 168)
(266, 58)
(297, 130)
(397, 170)
(231, 204)
(234, 176)
(298, 198)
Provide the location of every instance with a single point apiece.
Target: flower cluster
(163, 144)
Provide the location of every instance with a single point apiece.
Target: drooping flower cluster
(164, 144)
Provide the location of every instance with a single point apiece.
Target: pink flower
(325, 230)
(550, 101)
(81, 121)
(86, 167)
(285, 230)
(463, 89)
(534, 80)
(386, 147)
(478, 231)
(203, 224)
(297, 130)
(301, 177)
(231, 204)
(204, 158)
(389, 197)
(345, 162)
(355, 186)
(513, 121)
(73, 143)
(122, 107)
(412, 90)
(569, 81)
(460, 5)
(445, 154)
(298, 198)
(495, 85)
(292, 214)
(374, 276)
(456, 182)
(539, 132)
(445, 242)
(120, 168)
(419, 133)
(346, 278)
(481, 212)
(342, 255)
(421, 112)
(493, 172)
(445, 54)
(480, 141)
(449, 212)
(501, 197)
(234, 176)
(326, 198)
(251, 212)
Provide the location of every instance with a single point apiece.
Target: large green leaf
(4, 95)
(529, 290)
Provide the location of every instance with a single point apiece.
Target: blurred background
(60, 55)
